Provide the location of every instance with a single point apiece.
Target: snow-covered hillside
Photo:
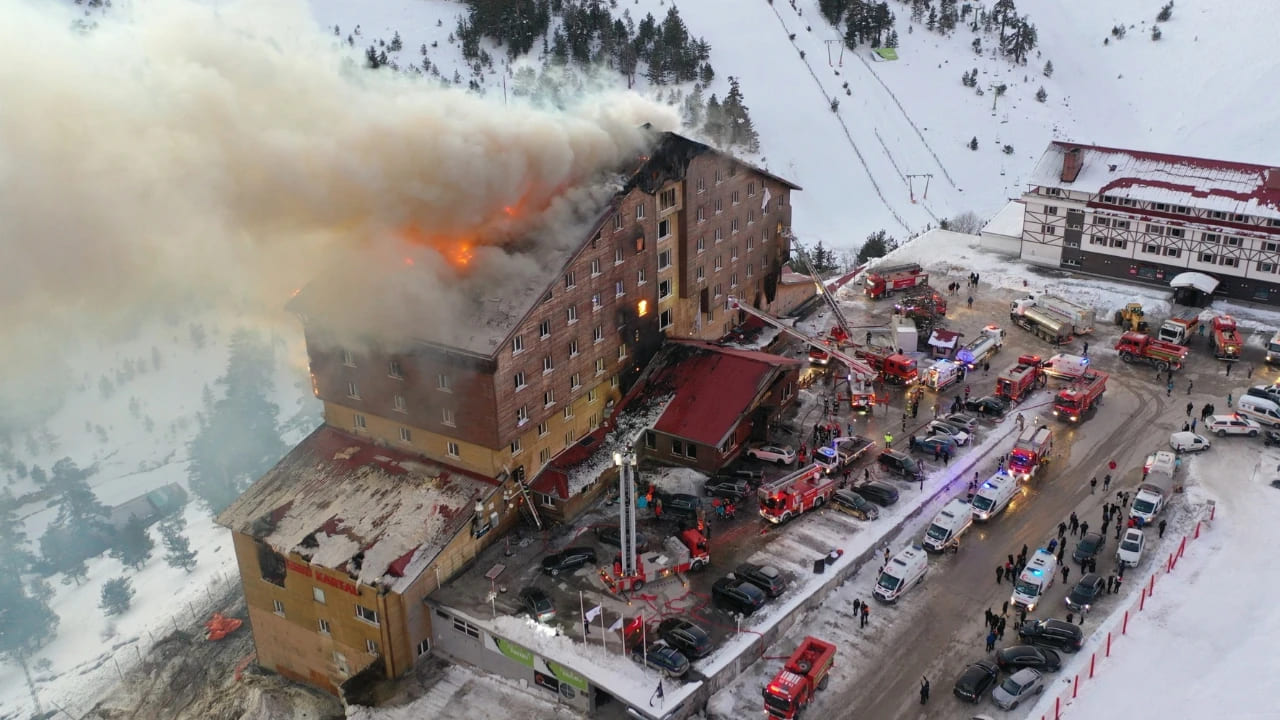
(914, 117)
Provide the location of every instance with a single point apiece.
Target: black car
(1086, 592)
(537, 603)
(882, 494)
(848, 501)
(988, 406)
(612, 535)
(1016, 657)
(1089, 547)
(661, 657)
(900, 464)
(975, 681)
(765, 577)
(681, 504)
(685, 636)
(727, 487)
(1058, 634)
(737, 595)
(568, 559)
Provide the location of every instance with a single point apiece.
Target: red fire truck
(1138, 347)
(1018, 381)
(1030, 452)
(799, 492)
(1082, 395)
(678, 555)
(805, 673)
(885, 281)
(896, 369)
(1226, 341)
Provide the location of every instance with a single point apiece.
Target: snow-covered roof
(1008, 221)
(335, 497)
(944, 338)
(1221, 185)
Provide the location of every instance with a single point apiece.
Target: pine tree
(1041, 95)
(892, 40)
(877, 244)
(932, 21)
(714, 127)
(371, 58)
(133, 544)
(706, 74)
(117, 596)
(26, 620)
(1048, 68)
(395, 44)
(1155, 32)
(694, 107)
(62, 553)
(178, 552)
(1166, 12)
(973, 144)
(15, 558)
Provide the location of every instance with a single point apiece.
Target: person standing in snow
(991, 640)
(866, 611)
(999, 574)
(924, 690)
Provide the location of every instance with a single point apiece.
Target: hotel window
(664, 228)
(1217, 215)
(406, 435)
(1097, 240)
(734, 198)
(751, 217)
(1160, 206)
(572, 313)
(324, 626)
(719, 176)
(599, 366)
(443, 383)
(548, 398)
(664, 259)
(702, 244)
(613, 381)
(617, 222)
(453, 450)
(359, 422)
(1051, 209)
(1151, 248)
(733, 253)
(353, 391)
(398, 403)
(394, 370)
(750, 269)
(544, 329)
(1155, 229)
(522, 415)
(597, 334)
(751, 189)
(318, 595)
(733, 226)
(348, 358)
(596, 302)
(595, 267)
(517, 344)
(447, 417)
(547, 364)
(371, 647)
(702, 185)
(1211, 237)
(570, 281)
(702, 273)
(543, 429)
(733, 280)
(702, 214)
(664, 289)
(619, 289)
(567, 413)
(715, 291)
(1207, 257)
(519, 380)
(664, 320)
(719, 263)
(1270, 246)
(618, 256)
(1172, 252)
(544, 456)
(667, 199)
(719, 234)
(1234, 241)
(516, 447)
(278, 607)
(719, 205)
(751, 244)
(1118, 243)
(1266, 267)
(639, 211)
(640, 277)
(591, 396)
(622, 352)
(1229, 261)
(1101, 221)
(573, 348)
(575, 381)
(1048, 230)
(368, 615)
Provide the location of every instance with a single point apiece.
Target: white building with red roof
(1150, 217)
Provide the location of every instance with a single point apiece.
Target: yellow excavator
(1131, 318)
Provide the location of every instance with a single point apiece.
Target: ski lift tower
(832, 61)
(626, 463)
(911, 187)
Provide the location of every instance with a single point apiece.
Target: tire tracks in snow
(848, 135)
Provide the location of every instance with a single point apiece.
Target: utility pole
(838, 61)
(911, 185)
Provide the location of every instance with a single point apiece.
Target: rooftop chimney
(1071, 164)
(1272, 180)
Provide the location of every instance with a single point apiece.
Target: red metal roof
(714, 388)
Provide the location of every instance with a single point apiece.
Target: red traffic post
(1151, 586)
(1093, 659)
(1182, 546)
(1168, 566)
(1124, 628)
(1213, 509)
(1197, 530)
(1057, 708)
(1142, 601)
(1108, 643)
(1075, 687)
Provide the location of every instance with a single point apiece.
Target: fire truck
(678, 555)
(922, 303)
(981, 348)
(1226, 341)
(1018, 381)
(896, 369)
(805, 673)
(797, 493)
(1084, 394)
(1030, 452)
(886, 280)
(1135, 347)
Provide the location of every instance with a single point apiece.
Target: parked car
(1052, 633)
(1016, 657)
(955, 432)
(752, 477)
(537, 603)
(681, 504)
(936, 444)
(1266, 392)
(1271, 438)
(1129, 554)
(900, 464)
(686, 636)
(988, 406)
(880, 493)
(778, 454)
(612, 535)
(765, 577)
(976, 679)
(1188, 442)
(964, 421)
(661, 657)
(1018, 687)
(726, 487)
(848, 501)
(734, 594)
(1086, 592)
(568, 559)
(1224, 425)
(1089, 547)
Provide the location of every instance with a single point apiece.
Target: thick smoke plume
(233, 152)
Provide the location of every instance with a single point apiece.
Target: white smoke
(233, 152)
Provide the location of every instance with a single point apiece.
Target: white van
(1036, 577)
(1063, 365)
(993, 496)
(948, 525)
(1266, 412)
(1273, 349)
(903, 572)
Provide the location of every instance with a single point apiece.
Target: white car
(780, 454)
(1224, 425)
(1188, 442)
(941, 427)
(1130, 550)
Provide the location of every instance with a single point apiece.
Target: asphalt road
(938, 627)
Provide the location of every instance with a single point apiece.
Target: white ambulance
(1035, 579)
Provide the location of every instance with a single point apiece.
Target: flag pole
(583, 609)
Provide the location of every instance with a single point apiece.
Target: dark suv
(726, 487)
(680, 504)
(901, 464)
(765, 577)
(568, 559)
(975, 681)
(1016, 657)
(1086, 592)
(685, 636)
(1052, 633)
(1089, 547)
(737, 595)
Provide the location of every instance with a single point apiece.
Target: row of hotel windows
(1173, 252)
(1181, 209)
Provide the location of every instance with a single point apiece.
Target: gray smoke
(233, 153)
